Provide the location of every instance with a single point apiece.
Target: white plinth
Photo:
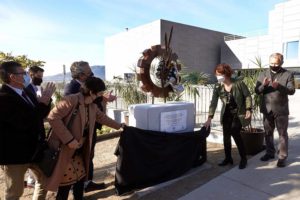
(173, 117)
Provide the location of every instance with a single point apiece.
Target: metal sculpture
(166, 72)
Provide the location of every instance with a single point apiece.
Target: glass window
(291, 51)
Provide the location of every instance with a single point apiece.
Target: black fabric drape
(147, 158)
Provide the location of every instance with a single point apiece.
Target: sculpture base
(172, 117)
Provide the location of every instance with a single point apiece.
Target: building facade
(197, 48)
(282, 36)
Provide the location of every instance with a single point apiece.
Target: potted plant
(253, 137)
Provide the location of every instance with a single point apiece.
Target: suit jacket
(21, 126)
(30, 88)
(275, 100)
(72, 88)
(58, 118)
(241, 96)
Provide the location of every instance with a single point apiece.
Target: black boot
(226, 161)
(243, 163)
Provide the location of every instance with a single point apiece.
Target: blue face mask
(26, 79)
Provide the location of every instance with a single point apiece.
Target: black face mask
(275, 69)
(37, 81)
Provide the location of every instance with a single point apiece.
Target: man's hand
(46, 93)
(275, 84)
(266, 81)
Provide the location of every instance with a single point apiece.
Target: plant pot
(253, 140)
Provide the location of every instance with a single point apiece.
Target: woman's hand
(74, 144)
(207, 123)
(248, 114)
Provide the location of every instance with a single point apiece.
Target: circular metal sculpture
(161, 64)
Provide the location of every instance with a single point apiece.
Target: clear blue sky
(62, 31)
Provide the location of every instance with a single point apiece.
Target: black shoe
(91, 186)
(243, 163)
(266, 157)
(226, 162)
(281, 163)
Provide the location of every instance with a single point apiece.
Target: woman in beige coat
(75, 141)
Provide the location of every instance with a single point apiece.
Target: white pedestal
(116, 114)
(173, 117)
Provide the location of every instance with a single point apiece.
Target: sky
(60, 32)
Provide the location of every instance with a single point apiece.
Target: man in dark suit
(80, 71)
(275, 84)
(36, 74)
(21, 129)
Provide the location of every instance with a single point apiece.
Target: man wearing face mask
(275, 84)
(36, 74)
(21, 129)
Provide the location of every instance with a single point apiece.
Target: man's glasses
(18, 73)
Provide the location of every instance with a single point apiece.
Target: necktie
(26, 98)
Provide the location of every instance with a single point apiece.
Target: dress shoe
(226, 162)
(243, 163)
(281, 163)
(266, 157)
(91, 186)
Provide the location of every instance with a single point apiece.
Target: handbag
(49, 156)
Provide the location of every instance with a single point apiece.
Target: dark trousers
(281, 122)
(232, 127)
(63, 191)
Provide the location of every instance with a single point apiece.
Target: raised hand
(275, 84)
(46, 93)
(109, 97)
(266, 81)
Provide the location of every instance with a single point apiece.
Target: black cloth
(147, 158)
(21, 126)
(72, 88)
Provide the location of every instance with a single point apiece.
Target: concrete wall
(284, 26)
(199, 49)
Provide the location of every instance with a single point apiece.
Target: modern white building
(283, 36)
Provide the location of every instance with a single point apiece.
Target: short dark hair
(7, 68)
(36, 69)
(92, 84)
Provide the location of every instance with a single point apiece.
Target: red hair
(224, 69)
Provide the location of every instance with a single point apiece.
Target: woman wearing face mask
(75, 141)
(235, 112)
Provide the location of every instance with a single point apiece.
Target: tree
(22, 59)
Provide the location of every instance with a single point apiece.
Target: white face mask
(220, 79)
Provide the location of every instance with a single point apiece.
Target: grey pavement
(260, 180)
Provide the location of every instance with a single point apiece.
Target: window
(291, 50)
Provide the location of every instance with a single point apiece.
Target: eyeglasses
(18, 73)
